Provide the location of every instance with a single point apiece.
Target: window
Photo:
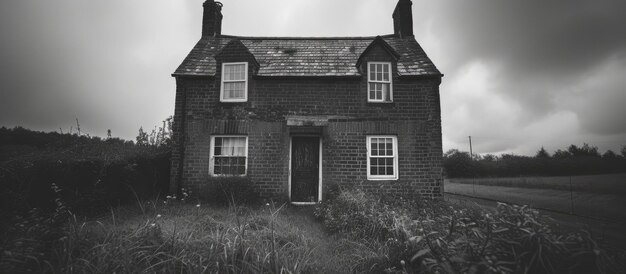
(379, 82)
(228, 155)
(234, 82)
(382, 158)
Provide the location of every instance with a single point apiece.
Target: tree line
(574, 160)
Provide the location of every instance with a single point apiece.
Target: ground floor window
(382, 157)
(229, 155)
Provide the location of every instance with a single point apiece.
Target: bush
(437, 237)
(230, 191)
(91, 174)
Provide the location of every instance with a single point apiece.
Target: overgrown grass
(367, 235)
(174, 237)
(435, 237)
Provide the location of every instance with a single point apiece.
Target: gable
(307, 56)
(235, 51)
(378, 50)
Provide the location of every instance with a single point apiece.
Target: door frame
(319, 191)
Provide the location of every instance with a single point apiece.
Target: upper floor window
(228, 155)
(379, 85)
(234, 82)
(382, 158)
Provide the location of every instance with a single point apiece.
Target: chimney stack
(212, 19)
(403, 19)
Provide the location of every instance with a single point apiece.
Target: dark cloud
(539, 58)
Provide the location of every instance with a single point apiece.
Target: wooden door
(305, 168)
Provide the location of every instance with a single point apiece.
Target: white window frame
(394, 156)
(369, 81)
(245, 93)
(212, 156)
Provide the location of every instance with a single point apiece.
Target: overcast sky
(518, 74)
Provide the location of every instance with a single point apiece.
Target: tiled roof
(288, 56)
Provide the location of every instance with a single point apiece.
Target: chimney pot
(212, 18)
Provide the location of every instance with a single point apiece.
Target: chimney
(403, 19)
(212, 19)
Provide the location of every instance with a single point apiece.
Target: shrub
(437, 237)
(230, 191)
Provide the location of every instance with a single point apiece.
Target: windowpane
(229, 156)
(385, 92)
(234, 90)
(374, 149)
(234, 72)
(382, 157)
(379, 78)
(386, 72)
(229, 165)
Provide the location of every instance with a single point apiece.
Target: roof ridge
(306, 38)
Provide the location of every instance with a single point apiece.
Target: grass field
(605, 183)
(590, 196)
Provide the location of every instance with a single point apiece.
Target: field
(605, 183)
(596, 202)
(599, 196)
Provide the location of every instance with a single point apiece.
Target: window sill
(233, 101)
(382, 178)
(228, 176)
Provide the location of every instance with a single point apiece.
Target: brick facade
(413, 117)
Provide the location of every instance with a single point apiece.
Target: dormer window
(234, 82)
(379, 85)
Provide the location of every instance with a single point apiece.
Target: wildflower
(158, 216)
(402, 262)
(152, 224)
(168, 197)
(198, 205)
(268, 204)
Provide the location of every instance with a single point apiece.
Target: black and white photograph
(312, 136)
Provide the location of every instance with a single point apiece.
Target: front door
(305, 168)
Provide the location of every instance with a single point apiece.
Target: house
(297, 115)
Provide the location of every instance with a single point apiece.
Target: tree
(542, 154)
(561, 154)
(609, 155)
(457, 163)
(142, 138)
(623, 151)
(584, 151)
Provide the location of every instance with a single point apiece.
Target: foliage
(94, 173)
(583, 160)
(164, 238)
(439, 238)
(229, 190)
(158, 137)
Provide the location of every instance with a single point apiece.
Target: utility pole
(471, 154)
(471, 161)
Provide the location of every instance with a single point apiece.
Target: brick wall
(414, 117)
